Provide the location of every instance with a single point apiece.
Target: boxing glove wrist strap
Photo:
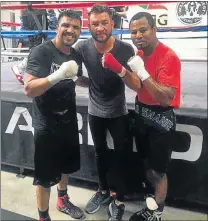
(54, 78)
(122, 73)
(143, 74)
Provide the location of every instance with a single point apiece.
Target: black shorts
(56, 153)
(154, 146)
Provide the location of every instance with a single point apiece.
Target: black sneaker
(96, 201)
(146, 215)
(150, 213)
(116, 212)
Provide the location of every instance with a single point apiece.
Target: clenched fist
(137, 65)
(68, 70)
(108, 61)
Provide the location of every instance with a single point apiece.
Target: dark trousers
(119, 130)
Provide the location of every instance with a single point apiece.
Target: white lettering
(89, 137)
(14, 120)
(80, 125)
(195, 149)
(193, 154)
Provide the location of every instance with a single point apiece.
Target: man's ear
(112, 23)
(155, 29)
(57, 28)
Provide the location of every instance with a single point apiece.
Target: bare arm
(82, 81)
(35, 86)
(163, 88)
(132, 80)
(162, 94)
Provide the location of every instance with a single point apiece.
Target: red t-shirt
(164, 67)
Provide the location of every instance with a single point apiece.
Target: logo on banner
(193, 154)
(15, 118)
(191, 13)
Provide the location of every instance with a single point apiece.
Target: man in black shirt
(51, 70)
(107, 106)
(29, 23)
(118, 13)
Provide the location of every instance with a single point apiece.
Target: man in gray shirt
(107, 104)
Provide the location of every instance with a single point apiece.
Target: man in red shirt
(158, 94)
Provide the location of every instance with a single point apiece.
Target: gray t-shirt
(106, 89)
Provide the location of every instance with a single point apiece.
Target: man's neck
(64, 49)
(149, 50)
(105, 46)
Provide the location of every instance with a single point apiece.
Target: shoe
(65, 206)
(116, 212)
(150, 213)
(17, 74)
(19, 69)
(146, 215)
(45, 219)
(96, 201)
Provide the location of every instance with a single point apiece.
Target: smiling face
(100, 26)
(142, 34)
(68, 31)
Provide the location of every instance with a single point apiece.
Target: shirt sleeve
(169, 72)
(37, 63)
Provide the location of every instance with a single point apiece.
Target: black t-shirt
(57, 106)
(117, 18)
(29, 23)
(106, 89)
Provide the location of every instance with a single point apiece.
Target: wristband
(123, 73)
(143, 75)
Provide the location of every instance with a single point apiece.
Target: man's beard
(138, 46)
(101, 41)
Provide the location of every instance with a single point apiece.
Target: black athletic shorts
(57, 152)
(153, 145)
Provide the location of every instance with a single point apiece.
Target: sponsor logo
(153, 7)
(191, 13)
(85, 137)
(160, 19)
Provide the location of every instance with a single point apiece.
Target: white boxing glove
(67, 70)
(137, 65)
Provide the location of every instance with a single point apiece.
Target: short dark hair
(71, 14)
(146, 15)
(98, 8)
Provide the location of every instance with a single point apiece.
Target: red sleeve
(169, 72)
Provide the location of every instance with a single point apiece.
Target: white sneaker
(17, 73)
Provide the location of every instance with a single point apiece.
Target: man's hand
(108, 61)
(67, 70)
(137, 65)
